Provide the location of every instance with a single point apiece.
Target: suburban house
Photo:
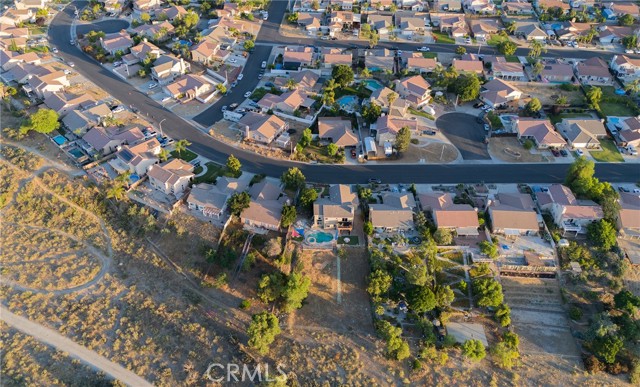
(175, 12)
(11, 31)
(620, 9)
(468, 66)
(447, 5)
(497, 93)
(338, 130)
(208, 199)
(412, 5)
(171, 177)
(42, 86)
(398, 106)
(22, 72)
(625, 67)
(544, 5)
(531, 31)
(158, 31)
(410, 26)
(557, 73)
(30, 4)
(9, 59)
(116, 42)
(341, 20)
(582, 133)
(388, 127)
(629, 130)
(262, 128)
(479, 6)
(461, 218)
(104, 141)
(145, 5)
(569, 213)
(167, 68)
(381, 23)
(416, 90)
(448, 22)
(483, 28)
(593, 71)
(146, 49)
(629, 216)
(390, 218)
(17, 16)
(518, 7)
(296, 57)
(334, 57)
(540, 131)
(136, 158)
(513, 215)
(609, 34)
(570, 31)
(310, 21)
(379, 60)
(189, 87)
(265, 208)
(77, 122)
(63, 103)
(421, 65)
(287, 102)
(508, 71)
(336, 211)
(207, 52)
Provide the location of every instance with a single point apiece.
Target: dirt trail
(87, 356)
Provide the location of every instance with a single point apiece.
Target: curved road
(174, 126)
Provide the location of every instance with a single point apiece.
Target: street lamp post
(160, 125)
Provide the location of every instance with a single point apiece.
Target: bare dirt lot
(547, 94)
(538, 316)
(498, 146)
(347, 301)
(435, 152)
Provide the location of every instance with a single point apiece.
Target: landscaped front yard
(496, 39)
(608, 154)
(616, 105)
(443, 38)
(185, 155)
(211, 174)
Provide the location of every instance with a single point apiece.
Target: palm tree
(594, 95)
(181, 146)
(633, 86)
(365, 73)
(123, 178)
(391, 97)
(163, 155)
(116, 191)
(536, 49)
(291, 84)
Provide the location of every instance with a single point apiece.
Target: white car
(153, 85)
(117, 64)
(118, 109)
(424, 49)
(247, 94)
(240, 77)
(264, 64)
(233, 60)
(580, 152)
(67, 72)
(55, 50)
(265, 16)
(71, 64)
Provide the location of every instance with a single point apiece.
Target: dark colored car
(353, 153)
(374, 180)
(555, 152)
(564, 153)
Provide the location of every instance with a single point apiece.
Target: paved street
(466, 134)
(176, 127)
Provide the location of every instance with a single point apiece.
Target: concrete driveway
(466, 134)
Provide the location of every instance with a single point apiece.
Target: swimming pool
(347, 102)
(614, 120)
(185, 42)
(373, 85)
(59, 139)
(75, 152)
(319, 237)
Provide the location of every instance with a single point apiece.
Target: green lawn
(609, 153)
(496, 39)
(512, 58)
(555, 118)
(353, 240)
(37, 30)
(210, 176)
(349, 90)
(185, 155)
(258, 94)
(616, 109)
(38, 49)
(430, 55)
(443, 38)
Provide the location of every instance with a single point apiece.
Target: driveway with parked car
(466, 134)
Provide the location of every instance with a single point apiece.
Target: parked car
(269, 84)
(233, 105)
(424, 49)
(152, 85)
(486, 127)
(117, 109)
(54, 50)
(72, 42)
(259, 76)
(429, 132)
(623, 189)
(264, 64)
(564, 153)
(353, 153)
(324, 37)
(240, 77)
(117, 63)
(555, 152)
(224, 108)
(375, 180)
(71, 64)
(233, 60)
(234, 84)
(580, 152)
(67, 72)
(247, 94)
(265, 16)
